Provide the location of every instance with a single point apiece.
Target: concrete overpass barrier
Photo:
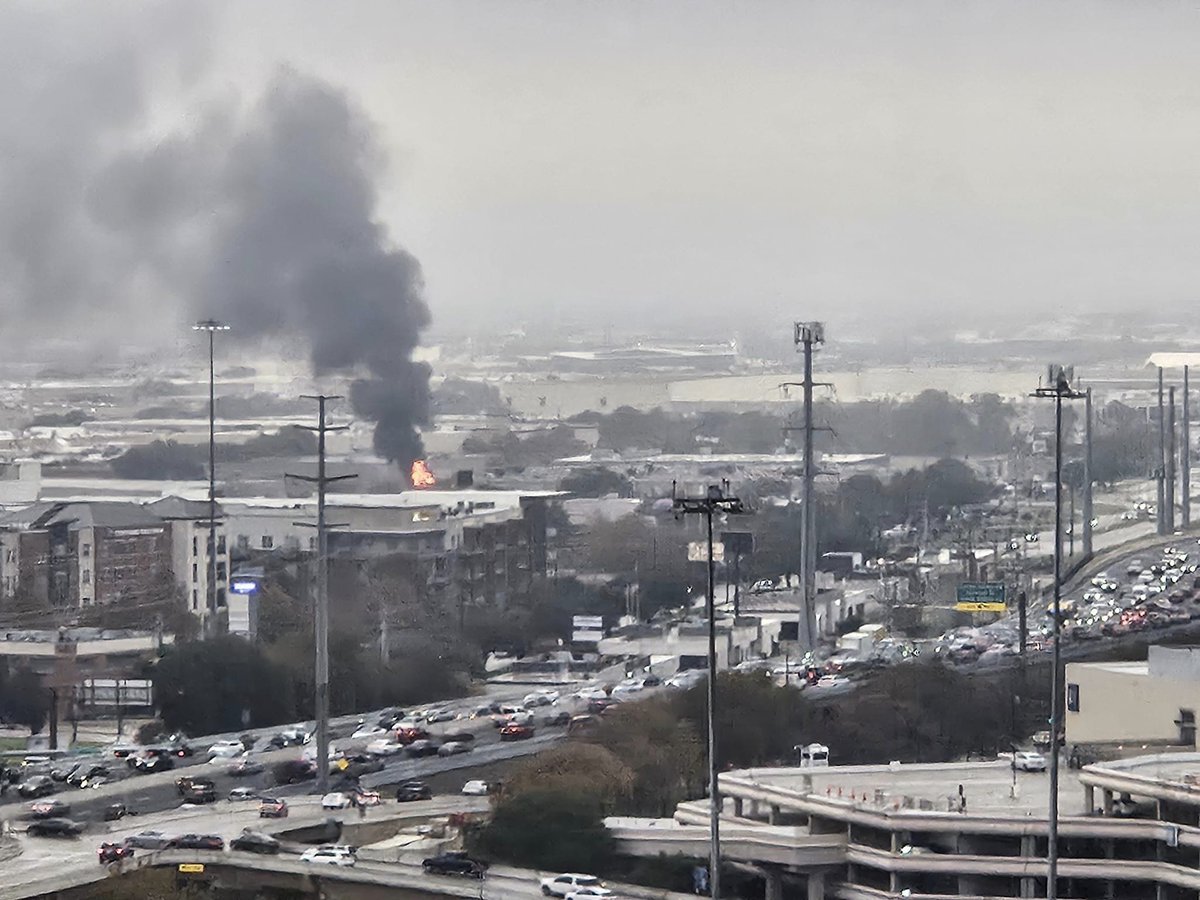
(792, 847)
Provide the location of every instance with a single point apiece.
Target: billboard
(116, 691)
(587, 629)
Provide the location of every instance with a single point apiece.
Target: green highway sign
(974, 592)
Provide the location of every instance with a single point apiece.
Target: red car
(408, 735)
(110, 853)
(516, 733)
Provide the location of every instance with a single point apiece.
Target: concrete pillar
(774, 880)
(1107, 796)
(816, 886)
(1028, 851)
(1089, 798)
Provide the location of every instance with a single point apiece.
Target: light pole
(212, 326)
(1059, 389)
(714, 501)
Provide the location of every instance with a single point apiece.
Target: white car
(384, 747)
(367, 731)
(531, 701)
(570, 882)
(476, 788)
(832, 681)
(445, 714)
(1029, 761)
(226, 750)
(1099, 578)
(626, 689)
(335, 800)
(331, 856)
(588, 891)
(593, 693)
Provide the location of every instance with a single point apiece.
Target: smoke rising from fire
(261, 212)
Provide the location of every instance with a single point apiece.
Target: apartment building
(70, 554)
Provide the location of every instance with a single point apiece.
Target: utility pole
(322, 481)
(1087, 475)
(806, 336)
(1059, 389)
(715, 501)
(1161, 472)
(212, 326)
(1169, 489)
(384, 649)
(1185, 458)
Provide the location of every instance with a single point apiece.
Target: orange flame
(420, 476)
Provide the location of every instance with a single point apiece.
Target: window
(220, 571)
(221, 545)
(1187, 727)
(312, 543)
(195, 598)
(195, 546)
(267, 542)
(1073, 698)
(243, 542)
(86, 576)
(85, 550)
(195, 572)
(86, 601)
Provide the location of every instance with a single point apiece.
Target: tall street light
(714, 502)
(1059, 389)
(212, 326)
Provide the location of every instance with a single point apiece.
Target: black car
(413, 790)
(198, 842)
(362, 764)
(453, 863)
(422, 747)
(254, 842)
(651, 681)
(200, 793)
(36, 786)
(562, 718)
(457, 737)
(83, 776)
(144, 765)
(54, 828)
(115, 811)
(149, 840)
(185, 783)
(49, 809)
(109, 852)
(293, 771)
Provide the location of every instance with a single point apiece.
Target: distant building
(62, 555)
(1154, 702)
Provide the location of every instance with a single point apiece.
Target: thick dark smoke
(260, 214)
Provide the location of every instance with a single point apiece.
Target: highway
(155, 792)
(47, 864)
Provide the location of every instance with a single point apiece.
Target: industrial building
(1114, 708)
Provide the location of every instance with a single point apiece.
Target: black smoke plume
(263, 214)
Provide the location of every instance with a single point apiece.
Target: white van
(813, 756)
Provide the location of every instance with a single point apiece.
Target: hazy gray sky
(617, 161)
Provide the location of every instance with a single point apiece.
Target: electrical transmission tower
(321, 629)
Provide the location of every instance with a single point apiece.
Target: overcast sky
(619, 162)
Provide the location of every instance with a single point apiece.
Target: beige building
(1150, 702)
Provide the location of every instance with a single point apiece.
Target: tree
(206, 687)
(280, 614)
(576, 768)
(664, 753)
(547, 828)
(23, 700)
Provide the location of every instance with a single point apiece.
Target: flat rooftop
(987, 786)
